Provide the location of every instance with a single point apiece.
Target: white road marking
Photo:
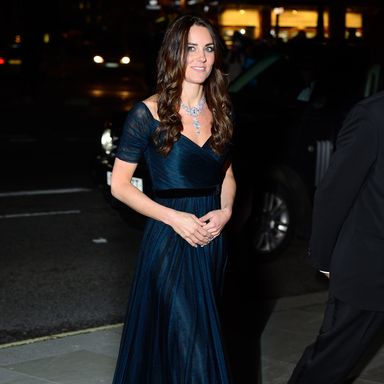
(100, 240)
(34, 214)
(44, 192)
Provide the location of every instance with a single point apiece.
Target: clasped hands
(200, 231)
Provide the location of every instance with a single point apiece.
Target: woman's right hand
(190, 228)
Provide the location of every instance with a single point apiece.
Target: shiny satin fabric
(172, 332)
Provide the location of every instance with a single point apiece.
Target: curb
(60, 335)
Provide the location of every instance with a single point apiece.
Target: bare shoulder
(151, 103)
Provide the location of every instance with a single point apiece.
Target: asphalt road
(66, 256)
(67, 260)
(66, 263)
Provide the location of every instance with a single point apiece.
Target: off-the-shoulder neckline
(149, 111)
(182, 135)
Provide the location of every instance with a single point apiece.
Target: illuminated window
(245, 20)
(296, 19)
(291, 22)
(354, 21)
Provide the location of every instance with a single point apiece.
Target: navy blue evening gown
(172, 330)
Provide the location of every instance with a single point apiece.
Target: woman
(172, 332)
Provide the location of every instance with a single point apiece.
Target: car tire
(272, 222)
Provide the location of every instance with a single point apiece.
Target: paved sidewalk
(88, 357)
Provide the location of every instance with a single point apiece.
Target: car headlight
(107, 141)
(98, 59)
(125, 60)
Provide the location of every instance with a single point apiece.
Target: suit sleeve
(356, 151)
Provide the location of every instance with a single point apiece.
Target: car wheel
(272, 222)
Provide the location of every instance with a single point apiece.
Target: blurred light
(242, 11)
(2, 61)
(206, 8)
(14, 61)
(153, 5)
(97, 92)
(242, 31)
(107, 141)
(46, 38)
(284, 35)
(125, 60)
(125, 94)
(98, 59)
(17, 39)
(278, 10)
(294, 12)
(111, 65)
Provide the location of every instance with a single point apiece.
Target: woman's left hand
(216, 221)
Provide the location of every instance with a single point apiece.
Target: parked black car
(288, 107)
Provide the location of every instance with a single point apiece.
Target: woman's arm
(218, 218)
(123, 190)
(185, 224)
(228, 192)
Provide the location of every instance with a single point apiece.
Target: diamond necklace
(195, 112)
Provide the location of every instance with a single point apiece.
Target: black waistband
(187, 192)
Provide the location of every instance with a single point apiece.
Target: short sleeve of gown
(135, 135)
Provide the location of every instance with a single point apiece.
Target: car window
(341, 84)
(280, 83)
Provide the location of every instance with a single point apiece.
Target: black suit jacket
(348, 217)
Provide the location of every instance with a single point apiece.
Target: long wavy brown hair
(171, 66)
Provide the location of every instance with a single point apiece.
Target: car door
(266, 111)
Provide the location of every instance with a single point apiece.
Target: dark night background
(53, 109)
(66, 255)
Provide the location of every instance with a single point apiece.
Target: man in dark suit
(347, 244)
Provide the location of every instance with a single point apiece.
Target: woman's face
(200, 55)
